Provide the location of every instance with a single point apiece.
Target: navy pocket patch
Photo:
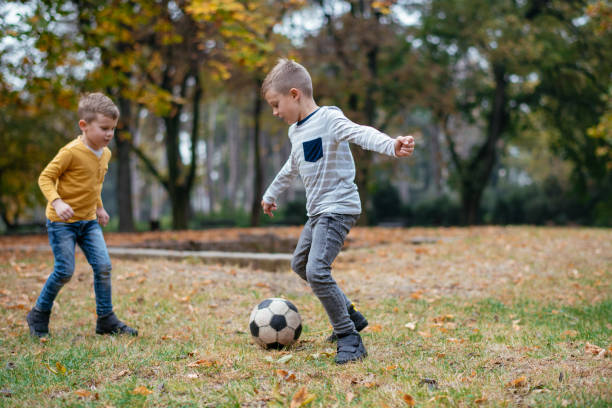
(313, 150)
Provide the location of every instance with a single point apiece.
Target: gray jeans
(318, 246)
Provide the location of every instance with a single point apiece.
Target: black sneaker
(110, 324)
(350, 348)
(38, 322)
(358, 319)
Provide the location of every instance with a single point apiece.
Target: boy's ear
(82, 125)
(294, 92)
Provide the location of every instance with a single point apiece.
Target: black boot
(350, 348)
(109, 324)
(358, 319)
(38, 322)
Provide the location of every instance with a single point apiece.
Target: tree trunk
(474, 180)
(210, 146)
(124, 168)
(258, 181)
(233, 129)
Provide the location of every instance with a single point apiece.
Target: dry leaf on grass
(203, 363)
(349, 397)
(518, 382)
(569, 333)
(443, 318)
(417, 295)
(285, 375)
(301, 398)
(375, 328)
(60, 368)
(83, 393)
(141, 390)
(597, 351)
(121, 374)
(408, 400)
(411, 325)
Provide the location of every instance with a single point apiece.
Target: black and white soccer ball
(275, 323)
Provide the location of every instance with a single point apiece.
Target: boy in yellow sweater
(72, 184)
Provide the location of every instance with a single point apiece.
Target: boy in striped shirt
(320, 154)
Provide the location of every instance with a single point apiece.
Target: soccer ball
(275, 323)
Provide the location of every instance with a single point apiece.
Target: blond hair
(96, 102)
(285, 75)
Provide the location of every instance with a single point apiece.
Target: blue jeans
(63, 237)
(319, 244)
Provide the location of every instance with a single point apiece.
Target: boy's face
(99, 132)
(285, 106)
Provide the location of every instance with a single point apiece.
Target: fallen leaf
(480, 400)
(569, 333)
(390, 368)
(517, 383)
(121, 374)
(285, 375)
(443, 318)
(203, 363)
(596, 350)
(417, 295)
(301, 398)
(349, 397)
(141, 390)
(284, 358)
(409, 400)
(424, 334)
(83, 393)
(411, 325)
(375, 328)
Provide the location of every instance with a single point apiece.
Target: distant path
(256, 260)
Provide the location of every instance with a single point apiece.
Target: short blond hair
(93, 103)
(285, 75)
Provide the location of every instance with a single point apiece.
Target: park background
(509, 101)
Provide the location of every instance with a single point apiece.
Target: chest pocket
(313, 150)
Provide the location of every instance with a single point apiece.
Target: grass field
(486, 316)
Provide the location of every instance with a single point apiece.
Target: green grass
(469, 344)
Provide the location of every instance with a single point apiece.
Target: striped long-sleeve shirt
(320, 154)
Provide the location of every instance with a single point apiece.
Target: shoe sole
(353, 360)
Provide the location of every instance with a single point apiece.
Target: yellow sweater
(75, 175)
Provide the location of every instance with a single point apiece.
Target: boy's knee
(64, 275)
(317, 275)
(297, 266)
(103, 270)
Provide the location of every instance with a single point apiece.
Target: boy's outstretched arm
(268, 208)
(404, 146)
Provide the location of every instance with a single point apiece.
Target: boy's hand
(404, 146)
(62, 209)
(268, 208)
(103, 216)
